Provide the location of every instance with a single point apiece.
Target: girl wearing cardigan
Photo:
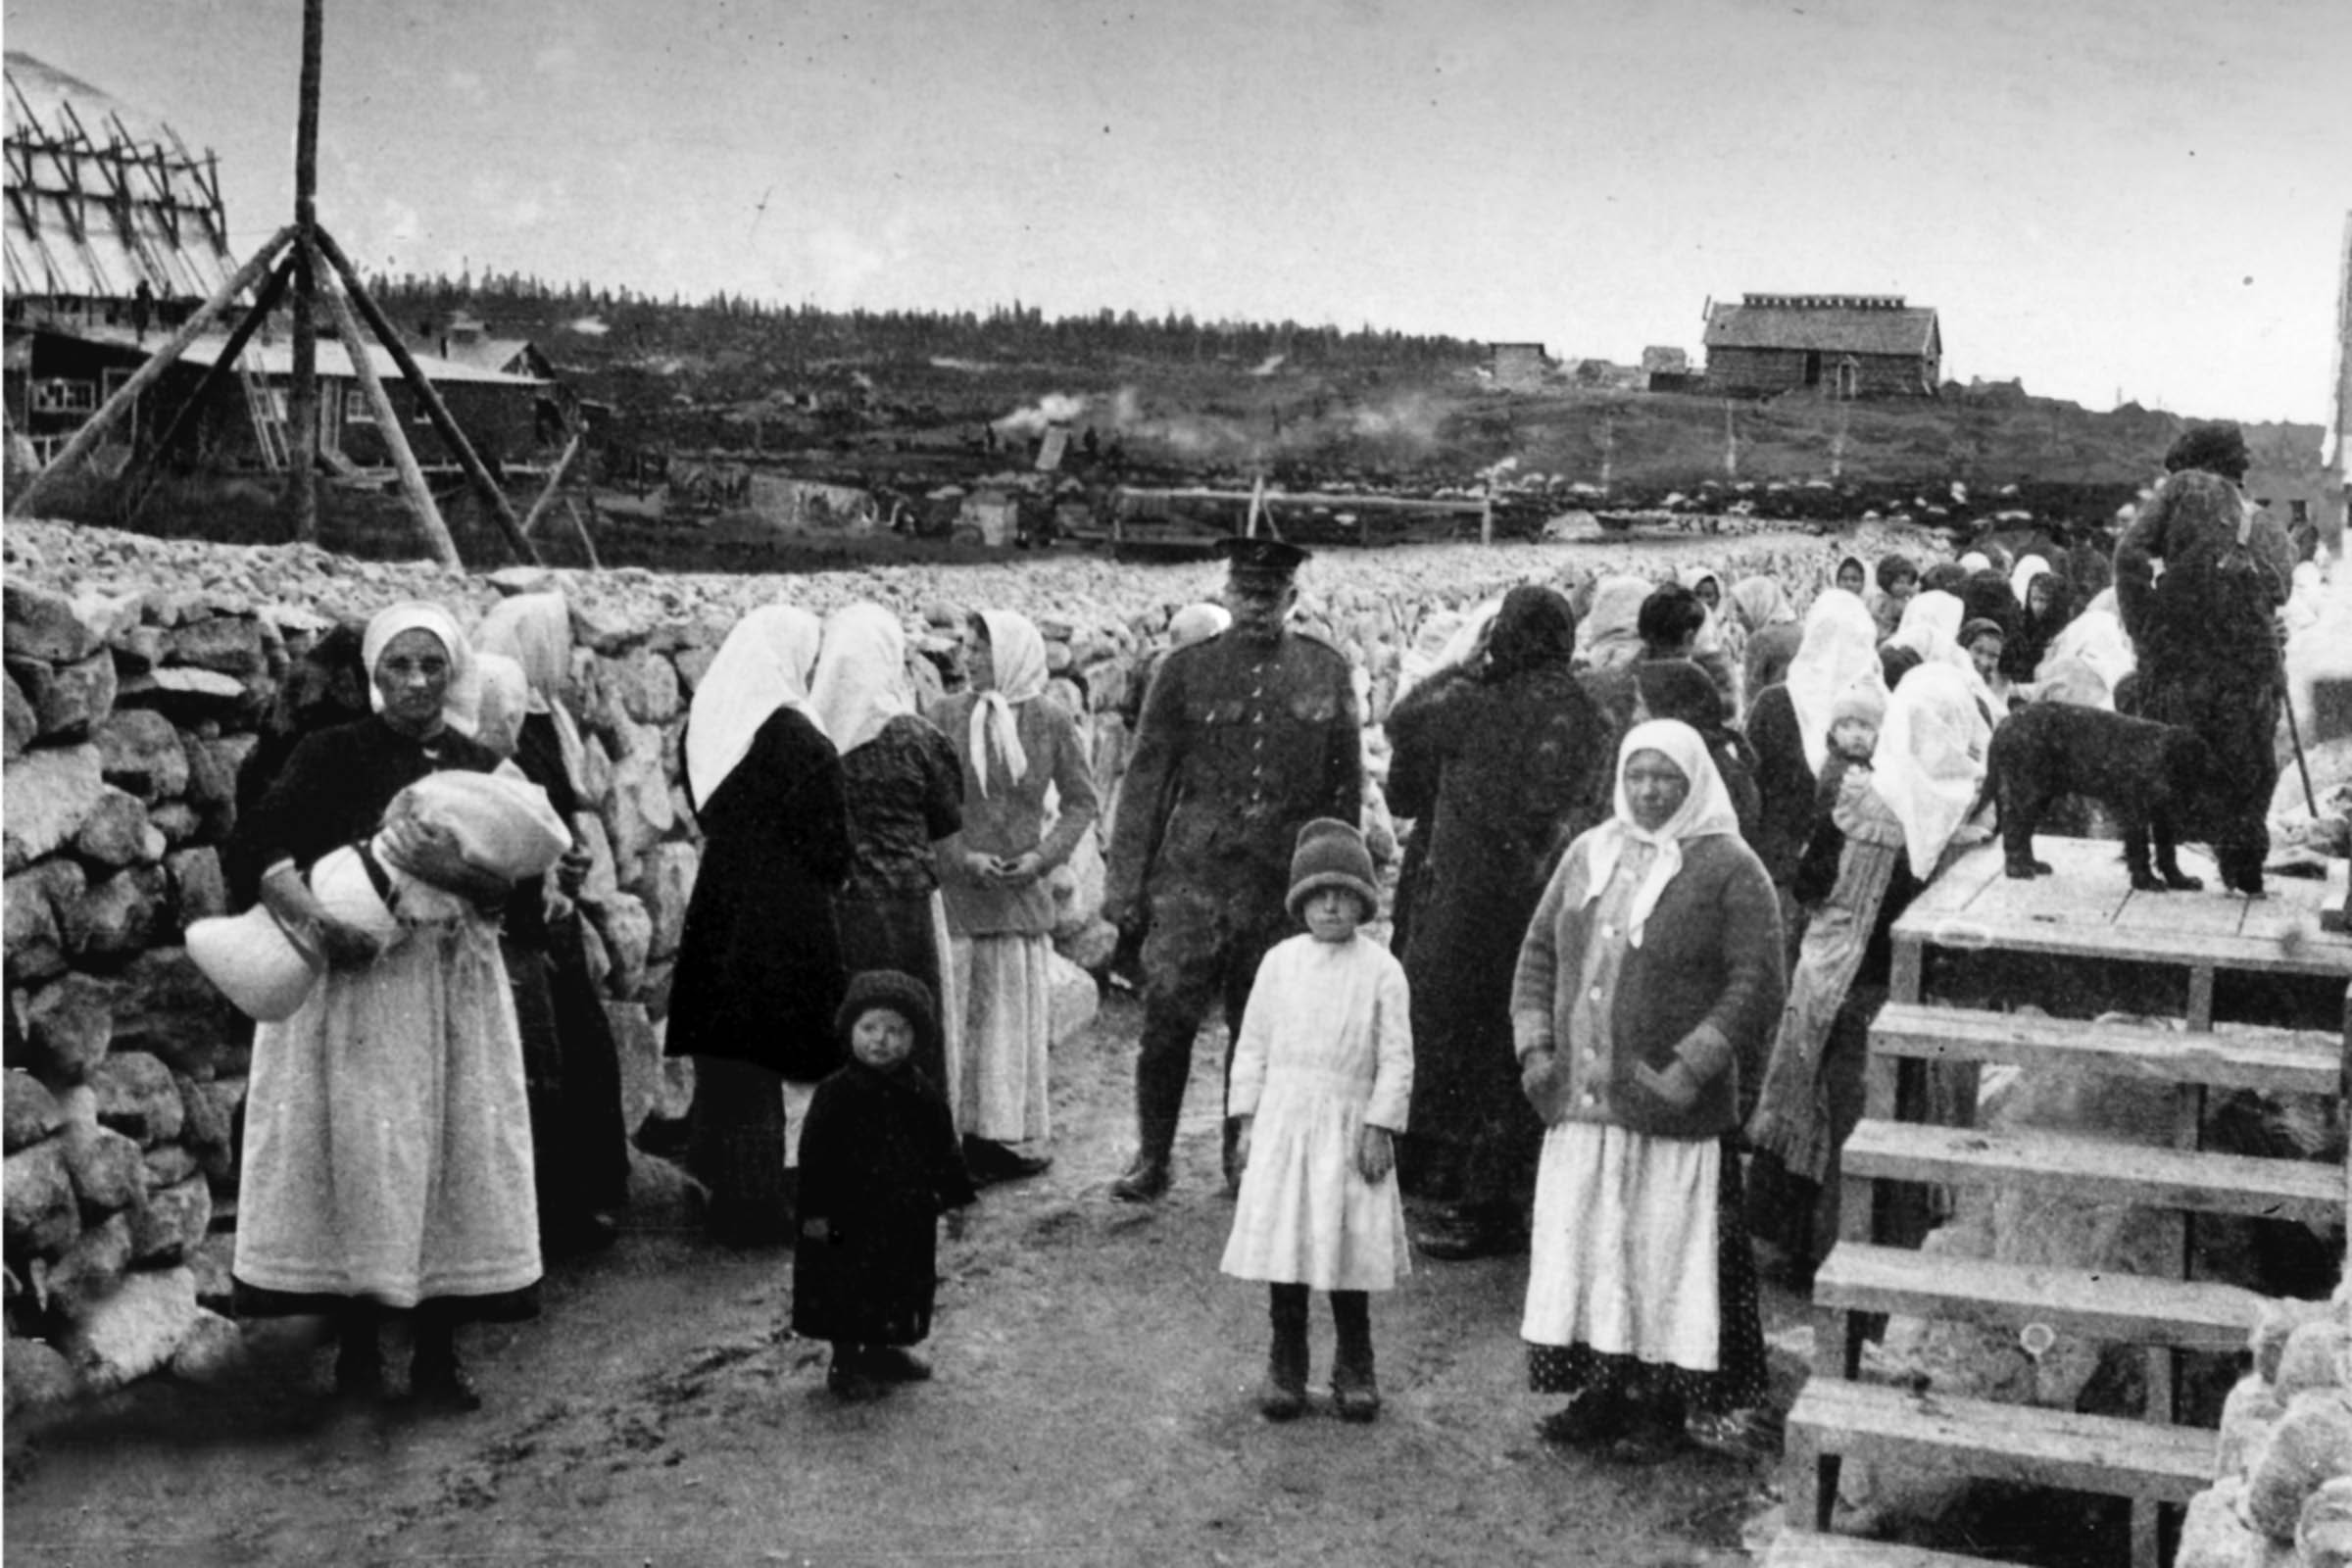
(1650, 972)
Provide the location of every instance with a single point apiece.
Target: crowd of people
(1660, 832)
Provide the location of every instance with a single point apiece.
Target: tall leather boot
(1283, 1396)
(1353, 1388)
(358, 1353)
(1161, 1065)
(1147, 1178)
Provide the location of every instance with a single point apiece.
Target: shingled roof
(1832, 323)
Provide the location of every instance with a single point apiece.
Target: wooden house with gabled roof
(1839, 345)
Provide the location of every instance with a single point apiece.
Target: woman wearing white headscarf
(579, 1134)
(1884, 840)
(905, 792)
(1788, 724)
(2089, 657)
(1028, 799)
(1769, 633)
(760, 970)
(1649, 974)
(1610, 633)
(1928, 634)
(387, 1154)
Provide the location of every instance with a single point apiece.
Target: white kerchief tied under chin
(1017, 658)
(1706, 809)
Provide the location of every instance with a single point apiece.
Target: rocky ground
(1093, 1405)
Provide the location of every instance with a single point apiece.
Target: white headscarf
(2094, 641)
(502, 695)
(1975, 561)
(1839, 651)
(762, 665)
(1931, 628)
(1706, 810)
(1198, 623)
(862, 682)
(1016, 656)
(1931, 761)
(1610, 633)
(535, 631)
(1711, 630)
(2021, 580)
(458, 702)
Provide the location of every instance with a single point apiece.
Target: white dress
(1326, 1049)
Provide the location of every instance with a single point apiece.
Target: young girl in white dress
(1322, 1075)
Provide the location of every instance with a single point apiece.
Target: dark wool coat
(1500, 764)
(1241, 744)
(1705, 986)
(1783, 783)
(760, 970)
(879, 1163)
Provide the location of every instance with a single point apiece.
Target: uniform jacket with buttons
(1705, 987)
(1241, 744)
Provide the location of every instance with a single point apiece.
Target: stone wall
(137, 671)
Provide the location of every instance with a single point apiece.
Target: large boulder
(24, 724)
(43, 625)
(39, 1375)
(639, 814)
(229, 644)
(51, 790)
(71, 1026)
(168, 1009)
(213, 767)
(664, 883)
(135, 1329)
(121, 915)
(91, 1267)
(647, 686)
(213, 1348)
(34, 945)
(117, 832)
(167, 1226)
(31, 1111)
(140, 751)
(628, 933)
(652, 1087)
(43, 1214)
(199, 887)
(137, 1097)
(105, 1168)
(69, 700)
(187, 696)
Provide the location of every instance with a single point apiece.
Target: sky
(2137, 198)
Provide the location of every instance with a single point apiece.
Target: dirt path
(1093, 1405)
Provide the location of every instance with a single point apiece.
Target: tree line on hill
(628, 323)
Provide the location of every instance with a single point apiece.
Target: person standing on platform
(1246, 738)
(1020, 743)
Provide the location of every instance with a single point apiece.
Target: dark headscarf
(1986, 596)
(1534, 628)
(2021, 656)
(1945, 577)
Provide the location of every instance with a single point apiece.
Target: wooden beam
(387, 420)
(302, 400)
(144, 473)
(86, 439)
(581, 529)
(555, 482)
(501, 510)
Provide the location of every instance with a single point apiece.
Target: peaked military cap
(1264, 558)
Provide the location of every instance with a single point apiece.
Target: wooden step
(2130, 1308)
(1811, 1548)
(2235, 1056)
(2097, 1172)
(2016, 1443)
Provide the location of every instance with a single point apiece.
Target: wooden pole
(581, 529)
(501, 510)
(1486, 515)
(387, 420)
(146, 471)
(302, 401)
(86, 439)
(555, 483)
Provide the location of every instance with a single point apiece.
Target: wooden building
(1839, 345)
(1518, 366)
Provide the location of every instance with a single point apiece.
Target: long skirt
(1639, 1274)
(388, 1138)
(736, 1147)
(1005, 991)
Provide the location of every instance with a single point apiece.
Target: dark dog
(2160, 779)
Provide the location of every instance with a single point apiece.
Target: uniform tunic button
(1597, 993)
(1592, 1101)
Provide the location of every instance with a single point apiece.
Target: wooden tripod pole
(501, 510)
(86, 439)
(387, 421)
(302, 401)
(147, 470)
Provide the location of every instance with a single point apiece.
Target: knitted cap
(1980, 626)
(1864, 700)
(1330, 854)
(902, 994)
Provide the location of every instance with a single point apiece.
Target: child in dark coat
(880, 1162)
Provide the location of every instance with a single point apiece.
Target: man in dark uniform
(1244, 739)
(2205, 629)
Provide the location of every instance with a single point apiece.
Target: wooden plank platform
(2132, 1308)
(1811, 1548)
(2274, 1061)
(2097, 1172)
(2088, 910)
(2018, 1443)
